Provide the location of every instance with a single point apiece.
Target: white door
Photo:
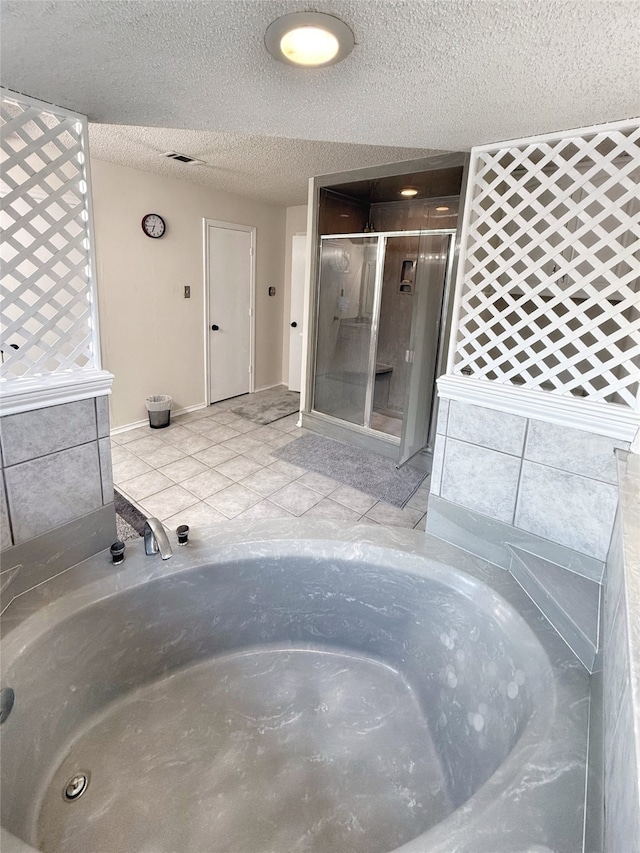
(230, 275)
(298, 275)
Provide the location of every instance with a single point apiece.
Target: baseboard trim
(268, 387)
(145, 422)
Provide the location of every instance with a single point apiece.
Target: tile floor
(212, 465)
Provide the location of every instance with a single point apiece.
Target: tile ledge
(26, 395)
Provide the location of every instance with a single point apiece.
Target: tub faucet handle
(155, 539)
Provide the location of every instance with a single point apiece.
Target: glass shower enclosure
(379, 317)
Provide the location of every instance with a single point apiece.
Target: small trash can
(159, 409)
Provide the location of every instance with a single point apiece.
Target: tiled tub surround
(621, 674)
(533, 497)
(497, 679)
(56, 488)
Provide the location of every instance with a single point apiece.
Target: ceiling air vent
(181, 158)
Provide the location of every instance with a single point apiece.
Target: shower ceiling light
(310, 39)
(409, 192)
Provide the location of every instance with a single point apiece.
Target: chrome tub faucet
(155, 539)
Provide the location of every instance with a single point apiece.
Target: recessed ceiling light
(441, 209)
(409, 192)
(309, 39)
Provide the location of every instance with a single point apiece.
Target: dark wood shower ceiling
(432, 184)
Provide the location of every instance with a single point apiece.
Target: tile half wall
(55, 485)
(533, 497)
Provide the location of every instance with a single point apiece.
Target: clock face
(153, 225)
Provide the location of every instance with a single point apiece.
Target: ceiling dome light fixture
(409, 192)
(309, 39)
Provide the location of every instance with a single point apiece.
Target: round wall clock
(153, 225)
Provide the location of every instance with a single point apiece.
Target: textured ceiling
(436, 74)
(269, 168)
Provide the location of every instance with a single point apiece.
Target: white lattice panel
(47, 320)
(549, 297)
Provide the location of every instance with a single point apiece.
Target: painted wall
(295, 223)
(152, 338)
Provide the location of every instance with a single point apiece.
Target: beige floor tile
(242, 425)
(267, 434)
(242, 443)
(197, 515)
(168, 502)
(226, 417)
(120, 454)
(392, 516)
(129, 468)
(202, 426)
(207, 483)
(285, 438)
(134, 434)
(262, 454)
(172, 432)
(319, 483)
(238, 468)
(215, 455)
(331, 510)
(144, 447)
(193, 452)
(353, 498)
(295, 498)
(220, 433)
(146, 484)
(233, 500)
(286, 424)
(189, 441)
(420, 500)
(183, 469)
(164, 456)
(291, 471)
(264, 509)
(265, 482)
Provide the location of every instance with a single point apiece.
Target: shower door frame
(365, 429)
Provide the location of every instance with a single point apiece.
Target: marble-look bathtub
(291, 688)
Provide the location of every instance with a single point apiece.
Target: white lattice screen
(550, 297)
(47, 311)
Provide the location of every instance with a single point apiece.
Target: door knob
(215, 328)
(294, 325)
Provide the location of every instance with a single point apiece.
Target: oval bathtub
(284, 695)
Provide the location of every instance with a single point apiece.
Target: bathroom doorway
(380, 301)
(229, 298)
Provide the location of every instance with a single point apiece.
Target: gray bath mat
(360, 469)
(129, 520)
(268, 406)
